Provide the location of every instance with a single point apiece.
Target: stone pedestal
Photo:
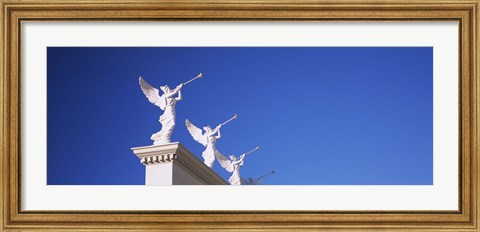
(173, 164)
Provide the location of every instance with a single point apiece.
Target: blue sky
(321, 115)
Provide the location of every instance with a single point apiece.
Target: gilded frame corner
(14, 12)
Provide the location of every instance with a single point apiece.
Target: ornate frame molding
(14, 12)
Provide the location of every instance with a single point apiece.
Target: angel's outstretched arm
(241, 158)
(217, 129)
(179, 97)
(175, 91)
(178, 88)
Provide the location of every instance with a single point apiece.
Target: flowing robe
(235, 178)
(209, 153)
(167, 119)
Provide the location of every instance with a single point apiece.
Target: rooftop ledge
(173, 164)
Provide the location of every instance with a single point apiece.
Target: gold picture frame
(14, 12)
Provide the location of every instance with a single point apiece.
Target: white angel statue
(207, 139)
(233, 165)
(166, 102)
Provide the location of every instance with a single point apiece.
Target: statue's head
(232, 157)
(165, 88)
(207, 129)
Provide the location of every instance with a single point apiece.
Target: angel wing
(196, 133)
(152, 94)
(224, 161)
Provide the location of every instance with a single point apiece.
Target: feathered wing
(196, 133)
(224, 161)
(152, 94)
